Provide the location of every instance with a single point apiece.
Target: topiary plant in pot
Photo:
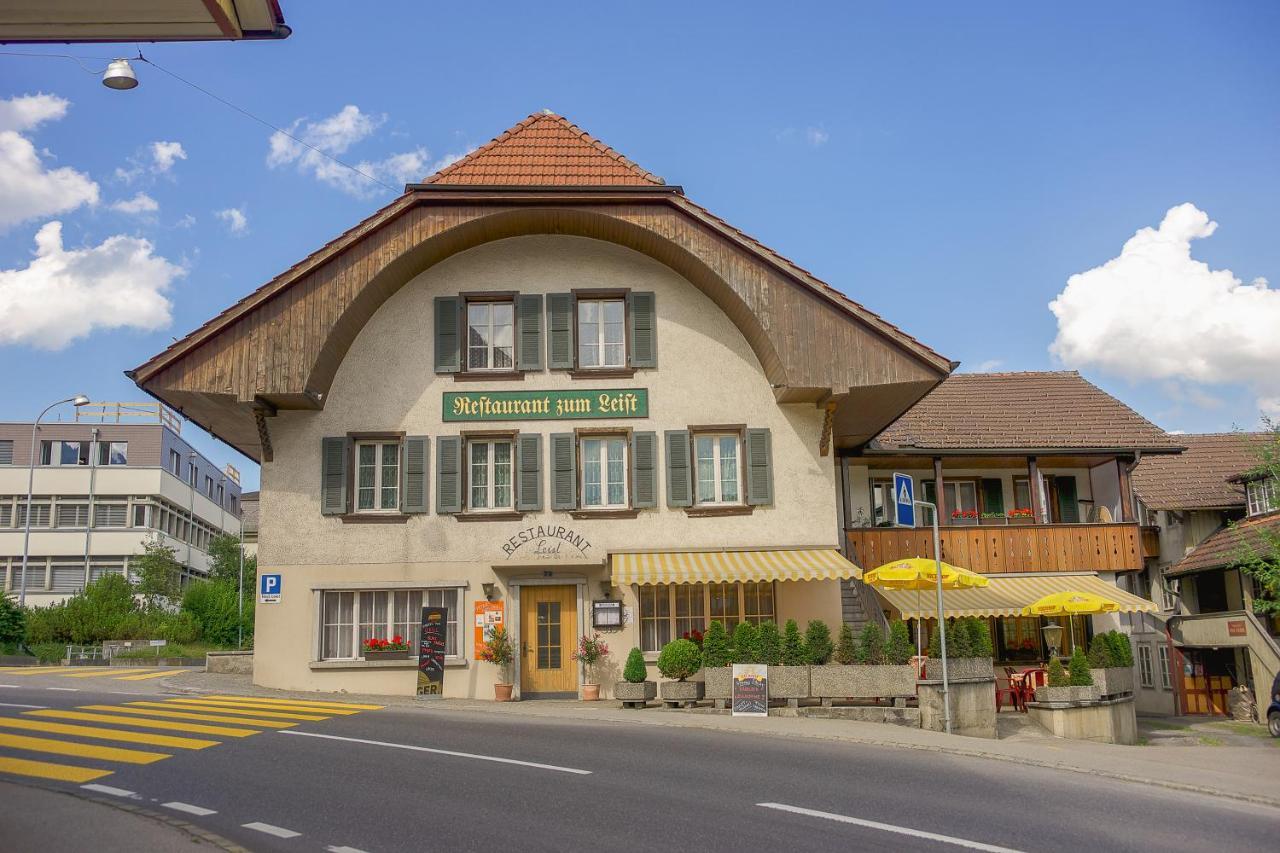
(1111, 664)
(882, 670)
(847, 647)
(717, 657)
(635, 690)
(817, 639)
(789, 668)
(746, 643)
(680, 660)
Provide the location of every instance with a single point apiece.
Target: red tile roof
(1058, 410)
(1229, 544)
(1198, 477)
(545, 150)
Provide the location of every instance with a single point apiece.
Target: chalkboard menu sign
(435, 621)
(750, 690)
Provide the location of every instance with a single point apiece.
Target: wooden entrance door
(548, 636)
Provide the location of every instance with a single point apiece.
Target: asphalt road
(568, 785)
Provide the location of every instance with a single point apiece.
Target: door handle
(524, 648)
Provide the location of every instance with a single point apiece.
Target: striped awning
(797, 564)
(1007, 595)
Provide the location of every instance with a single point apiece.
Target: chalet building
(1031, 476)
(118, 476)
(540, 382)
(1206, 639)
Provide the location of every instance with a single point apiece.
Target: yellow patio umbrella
(1071, 604)
(920, 573)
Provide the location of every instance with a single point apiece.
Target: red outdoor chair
(1031, 679)
(1010, 692)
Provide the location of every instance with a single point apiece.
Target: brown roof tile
(1198, 477)
(1223, 548)
(1022, 411)
(545, 150)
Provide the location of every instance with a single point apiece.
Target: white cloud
(140, 203)
(816, 136)
(65, 294)
(334, 136)
(29, 190)
(186, 221)
(1155, 313)
(984, 366)
(156, 159)
(237, 222)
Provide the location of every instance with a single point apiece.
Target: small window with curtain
(602, 340)
(348, 619)
(1145, 675)
(604, 472)
(377, 485)
(489, 475)
(490, 335)
(1166, 680)
(719, 474)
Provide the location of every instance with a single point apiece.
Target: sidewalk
(1249, 773)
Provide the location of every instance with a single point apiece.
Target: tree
(871, 645)
(224, 562)
(769, 644)
(794, 651)
(213, 605)
(1056, 676)
(13, 622)
(746, 643)
(715, 647)
(817, 637)
(1258, 556)
(1078, 670)
(898, 649)
(158, 573)
(847, 647)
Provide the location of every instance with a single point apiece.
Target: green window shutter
(413, 491)
(564, 471)
(759, 467)
(448, 334)
(529, 331)
(993, 495)
(560, 322)
(448, 474)
(529, 465)
(1068, 506)
(929, 491)
(333, 475)
(679, 475)
(644, 329)
(644, 464)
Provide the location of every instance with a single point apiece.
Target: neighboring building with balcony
(1031, 475)
(1207, 639)
(102, 489)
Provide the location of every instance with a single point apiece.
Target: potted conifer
(717, 664)
(788, 661)
(969, 650)
(1071, 684)
(1111, 663)
(635, 690)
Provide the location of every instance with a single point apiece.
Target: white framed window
(882, 512)
(489, 475)
(113, 453)
(719, 469)
(490, 336)
(604, 472)
(602, 335)
(348, 618)
(111, 515)
(962, 498)
(208, 486)
(64, 453)
(41, 512)
(377, 476)
(72, 515)
(1145, 675)
(668, 611)
(192, 475)
(1166, 682)
(1264, 496)
(175, 463)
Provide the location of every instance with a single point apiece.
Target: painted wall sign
(489, 615)
(573, 404)
(750, 690)
(1237, 628)
(431, 651)
(547, 542)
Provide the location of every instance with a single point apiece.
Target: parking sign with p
(269, 589)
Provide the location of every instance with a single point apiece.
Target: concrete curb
(1272, 802)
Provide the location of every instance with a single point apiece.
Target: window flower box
(964, 516)
(993, 519)
(389, 654)
(1022, 515)
(376, 648)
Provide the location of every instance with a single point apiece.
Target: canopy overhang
(1009, 595)
(785, 564)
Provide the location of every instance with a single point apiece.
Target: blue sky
(950, 166)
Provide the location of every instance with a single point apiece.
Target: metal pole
(31, 481)
(942, 622)
(240, 591)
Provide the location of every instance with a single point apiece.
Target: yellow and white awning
(797, 564)
(1008, 595)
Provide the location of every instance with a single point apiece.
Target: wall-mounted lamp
(489, 590)
(606, 588)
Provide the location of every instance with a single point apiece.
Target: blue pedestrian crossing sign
(904, 501)
(269, 589)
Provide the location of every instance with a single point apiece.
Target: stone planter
(790, 683)
(718, 683)
(677, 693)
(1113, 681)
(1066, 694)
(633, 695)
(958, 668)
(835, 681)
(401, 654)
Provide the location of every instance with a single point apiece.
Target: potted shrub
(717, 664)
(846, 653)
(969, 650)
(789, 664)
(680, 660)
(497, 650)
(376, 648)
(1073, 684)
(746, 643)
(964, 516)
(1111, 663)
(635, 690)
(988, 519)
(874, 669)
(591, 650)
(1021, 515)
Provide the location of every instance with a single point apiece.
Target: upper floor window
(192, 477)
(604, 472)
(491, 336)
(489, 475)
(602, 337)
(64, 453)
(175, 463)
(719, 474)
(221, 496)
(6, 452)
(1263, 495)
(208, 485)
(113, 453)
(377, 476)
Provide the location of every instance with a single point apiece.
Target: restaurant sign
(546, 405)
(750, 690)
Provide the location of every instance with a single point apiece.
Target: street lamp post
(78, 400)
(942, 622)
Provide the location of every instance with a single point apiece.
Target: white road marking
(107, 789)
(189, 809)
(19, 705)
(333, 848)
(889, 827)
(277, 831)
(8, 685)
(443, 752)
(65, 689)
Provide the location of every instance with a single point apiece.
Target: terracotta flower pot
(502, 692)
(590, 692)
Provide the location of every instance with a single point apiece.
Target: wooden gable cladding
(283, 344)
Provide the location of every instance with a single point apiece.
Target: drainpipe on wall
(93, 476)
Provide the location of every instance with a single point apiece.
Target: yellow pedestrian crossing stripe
(147, 675)
(116, 673)
(174, 721)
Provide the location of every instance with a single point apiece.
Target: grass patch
(173, 650)
(1164, 727)
(1209, 740)
(1238, 728)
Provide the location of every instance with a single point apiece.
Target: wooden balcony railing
(1012, 548)
(1150, 541)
